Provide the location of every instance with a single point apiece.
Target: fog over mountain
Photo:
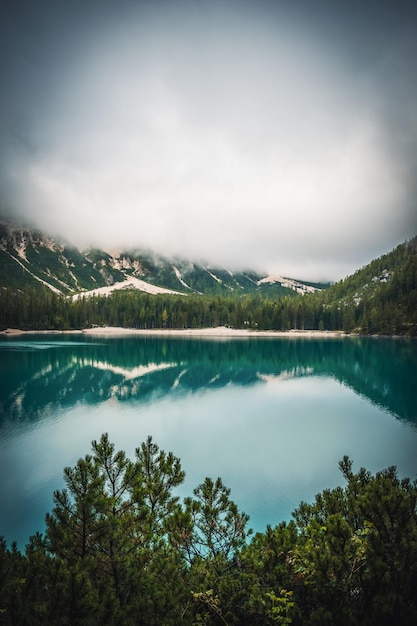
(279, 136)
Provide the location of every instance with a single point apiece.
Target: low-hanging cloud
(231, 136)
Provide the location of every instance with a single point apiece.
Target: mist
(276, 136)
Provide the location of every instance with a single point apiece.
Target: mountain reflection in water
(271, 416)
(39, 375)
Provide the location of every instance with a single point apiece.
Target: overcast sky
(279, 136)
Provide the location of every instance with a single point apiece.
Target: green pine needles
(121, 548)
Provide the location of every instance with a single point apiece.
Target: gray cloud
(254, 134)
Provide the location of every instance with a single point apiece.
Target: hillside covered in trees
(121, 548)
(380, 298)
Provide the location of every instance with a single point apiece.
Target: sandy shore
(219, 331)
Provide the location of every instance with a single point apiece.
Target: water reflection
(42, 376)
(272, 417)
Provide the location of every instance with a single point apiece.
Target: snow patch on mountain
(36, 277)
(130, 282)
(71, 273)
(180, 279)
(289, 283)
(255, 282)
(219, 280)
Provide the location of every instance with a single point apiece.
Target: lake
(271, 416)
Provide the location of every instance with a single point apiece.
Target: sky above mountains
(275, 135)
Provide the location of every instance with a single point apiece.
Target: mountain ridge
(28, 256)
(379, 298)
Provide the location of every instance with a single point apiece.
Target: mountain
(29, 258)
(394, 274)
(380, 298)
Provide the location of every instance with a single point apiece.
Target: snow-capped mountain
(29, 258)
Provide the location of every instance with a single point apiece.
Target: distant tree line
(389, 310)
(371, 301)
(121, 548)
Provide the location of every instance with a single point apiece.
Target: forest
(378, 299)
(121, 548)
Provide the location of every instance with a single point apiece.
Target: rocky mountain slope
(30, 258)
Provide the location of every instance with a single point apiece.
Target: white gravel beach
(219, 331)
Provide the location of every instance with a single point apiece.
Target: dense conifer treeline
(121, 548)
(378, 299)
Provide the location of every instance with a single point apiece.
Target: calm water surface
(272, 417)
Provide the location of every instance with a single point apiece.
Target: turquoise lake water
(271, 416)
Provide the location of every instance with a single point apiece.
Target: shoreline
(218, 332)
